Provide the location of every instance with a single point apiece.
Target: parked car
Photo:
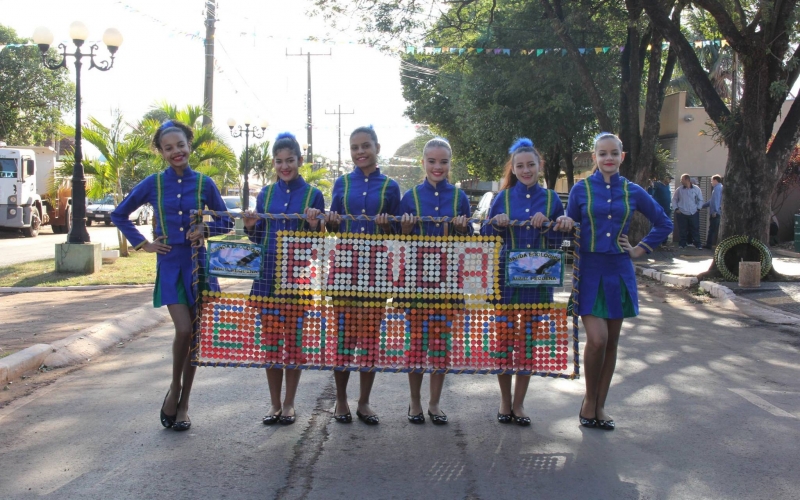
(100, 211)
(482, 210)
(234, 204)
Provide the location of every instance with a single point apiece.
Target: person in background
(662, 195)
(714, 205)
(687, 202)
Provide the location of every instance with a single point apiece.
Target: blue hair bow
(522, 142)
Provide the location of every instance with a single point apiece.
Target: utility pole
(309, 155)
(339, 167)
(208, 90)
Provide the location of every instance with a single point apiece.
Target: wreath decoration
(728, 243)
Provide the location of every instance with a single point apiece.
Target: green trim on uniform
(507, 204)
(345, 201)
(160, 203)
(182, 297)
(600, 306)
(267, 203)
(590, 212)
(626, 201)
(417, 206)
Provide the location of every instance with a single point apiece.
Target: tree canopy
(32, 97)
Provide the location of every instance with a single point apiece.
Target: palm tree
(317, 178)
(116, 172)
(211, 155)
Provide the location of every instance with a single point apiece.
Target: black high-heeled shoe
(272, 419)
(416, 419)
(520, 420)
(368, 419)
(287, 419)
(606, 425)
(504, 418)
(438, 419)
(586, 422)
(166, 420)
(342, 419)
(183, 425)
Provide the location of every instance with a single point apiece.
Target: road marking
(761, 403)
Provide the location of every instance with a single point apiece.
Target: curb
(84, 288)
(83, 345)
(727, 298)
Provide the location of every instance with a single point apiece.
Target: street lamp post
(247, 131)
(78, 33)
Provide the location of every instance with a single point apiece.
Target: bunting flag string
(537, 52)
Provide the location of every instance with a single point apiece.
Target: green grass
(3, 354)
(138, 269)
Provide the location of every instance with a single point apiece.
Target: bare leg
(593, 360)
(275, 382)
(415, 386)
(182, 319)
(292, 381)
(366, 379)
(505, 394)
(610, 363)
(341, 379)
(520, 390)
(437, 383)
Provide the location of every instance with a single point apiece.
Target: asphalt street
(15, 248)
(707, 406)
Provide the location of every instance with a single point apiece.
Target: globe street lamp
(78, 33)
(247, 131)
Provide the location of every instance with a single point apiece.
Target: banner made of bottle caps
(389, 303)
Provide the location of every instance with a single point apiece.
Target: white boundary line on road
(762, 403)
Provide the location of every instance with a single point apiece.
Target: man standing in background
(662, 196)
(687, 202)
(714, 210)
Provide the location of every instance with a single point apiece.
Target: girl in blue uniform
(364, 191)
(291, 194)
(435, 197)
(604, 204)
(174, 193)
(522, 198)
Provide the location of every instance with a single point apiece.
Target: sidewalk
(689, 262)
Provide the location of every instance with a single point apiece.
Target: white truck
(31, 195)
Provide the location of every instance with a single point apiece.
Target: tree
(32, 98)
(122, 153)
(481, 103)
(210, 153)
(261, 162)
(760, 33)
(317, 178)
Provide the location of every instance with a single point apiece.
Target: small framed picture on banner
(230, 259)
(532, 268)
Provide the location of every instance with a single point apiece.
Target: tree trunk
(123, 245)
(569, 160)
(552, 167)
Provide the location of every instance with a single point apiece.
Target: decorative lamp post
(247, 131)
(307, 151)
(78, 32)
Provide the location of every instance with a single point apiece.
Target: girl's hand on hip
(634, 252)
(156, 246)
